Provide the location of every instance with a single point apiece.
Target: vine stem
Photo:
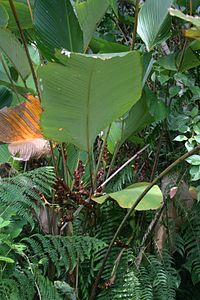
(25, 47)
(135, 25)
(163, 173)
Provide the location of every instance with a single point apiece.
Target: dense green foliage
(119, 88)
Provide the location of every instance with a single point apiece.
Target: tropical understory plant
(99, 153)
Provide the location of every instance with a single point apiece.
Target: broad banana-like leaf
(57, 26)
(12, 48)
(146, 111)
(85, 94)
(127, 197)
(89, 14)
(154, 22)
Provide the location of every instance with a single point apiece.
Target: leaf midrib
(69, 28)
(88, 107)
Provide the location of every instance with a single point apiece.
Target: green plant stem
(135, 25)
(90, 170)
(182, 55)
(35, 281)
(30, 9)
(64, 163)
(167, 170)
(190, 7)
(25, 47)
(100, 155)
(117, 147)
(53, 159)
(113, 159)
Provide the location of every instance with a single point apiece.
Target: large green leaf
(90, 13)
(154, 22)
(84, 96)
(139, 116)
(22, 13)
(10, 46)
(127, 197)
(57, 26)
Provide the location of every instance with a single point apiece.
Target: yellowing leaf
(127, 197)
(193, 33)
(20, 128)
(21, 122)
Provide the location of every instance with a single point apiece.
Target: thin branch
(135, 25)
(147, 234)
(123, 166)
(157, 155)
(167, 170)
(120, 29)
(25, 47)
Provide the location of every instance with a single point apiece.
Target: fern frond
(20, 194)
(8, 290)
(46, 288)
(63, 251)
